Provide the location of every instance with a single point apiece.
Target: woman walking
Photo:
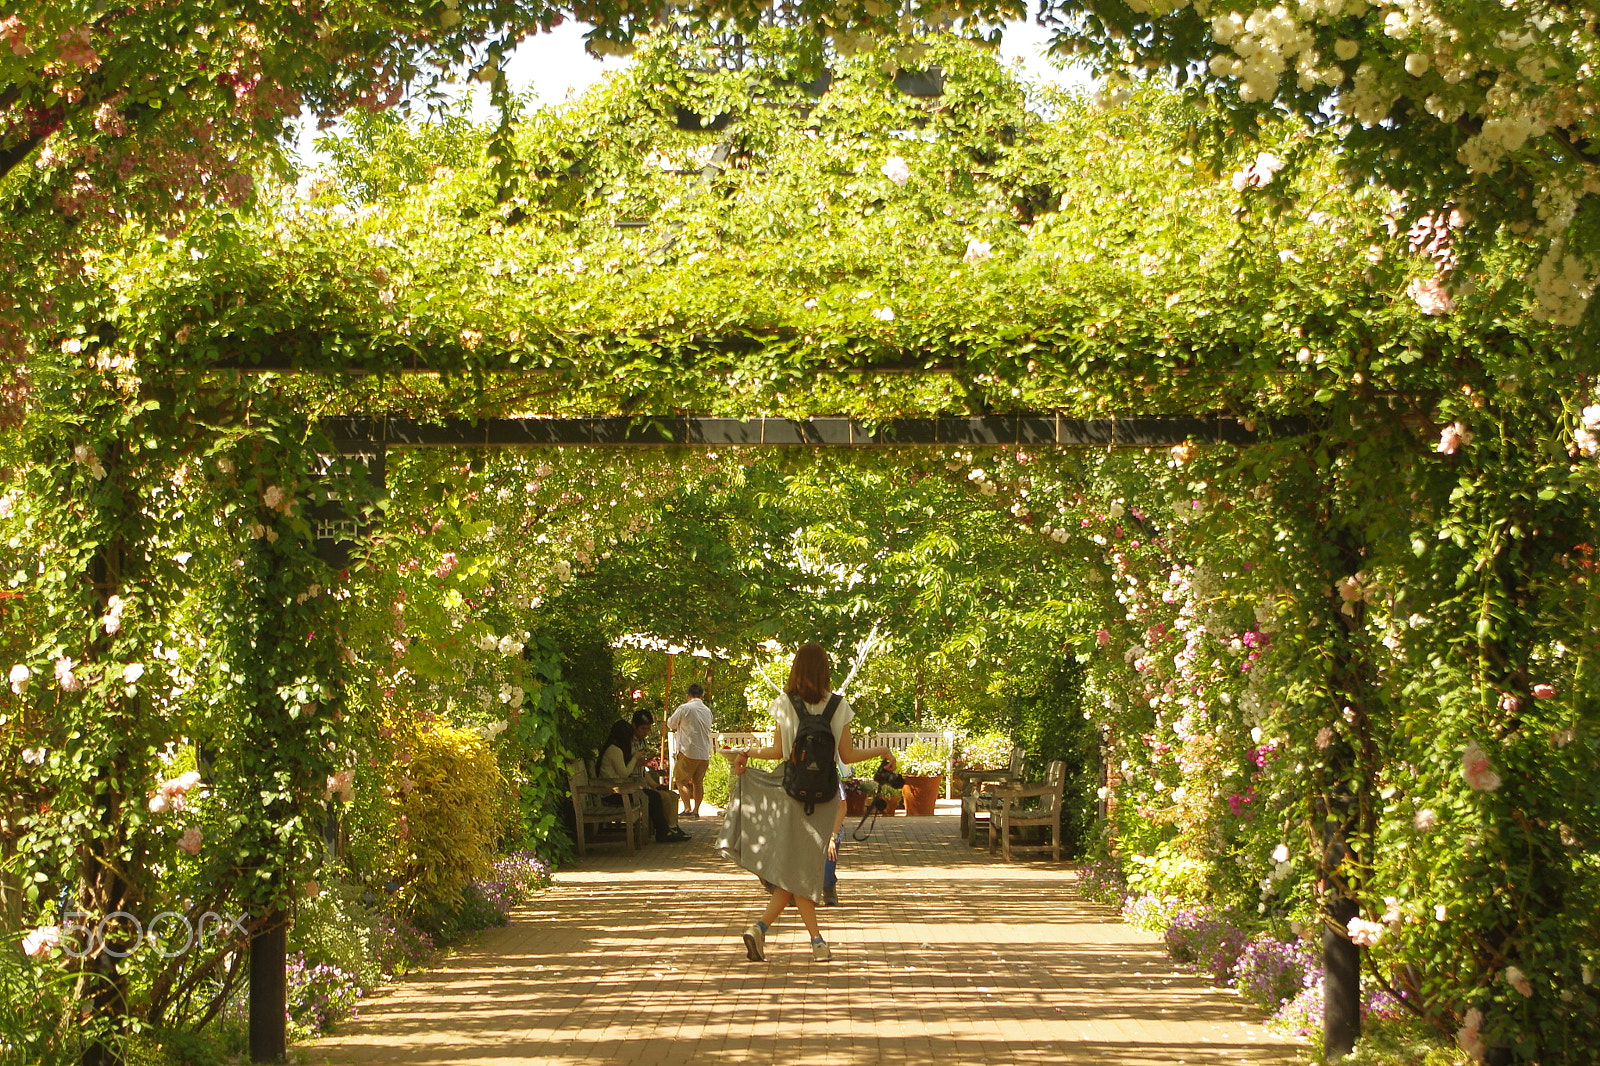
(770, 833)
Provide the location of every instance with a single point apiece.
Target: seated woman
(618, 761)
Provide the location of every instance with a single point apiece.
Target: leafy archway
(874, 255)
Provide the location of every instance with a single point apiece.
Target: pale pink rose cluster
(1476, 769)
(1364, 933)
(897, 170)
(14, 32)
(1357, 588)
(1470, 1037)
(112, 621)
(341, 785)
(1587, 435)
(65, 677)
(1259, 174)
(41, 941)
(276, 498)
(1452, 438)
(172, 794)
(1431, 297)
(191, 840)
(76, 50)
(1519, 981)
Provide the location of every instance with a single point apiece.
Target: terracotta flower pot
(855, 804)
(921, 794)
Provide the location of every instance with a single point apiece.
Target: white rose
(897, 170)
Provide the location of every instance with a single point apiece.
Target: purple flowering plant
(1201, 937)
(401, 946)
(319, 996)
(1271, 972)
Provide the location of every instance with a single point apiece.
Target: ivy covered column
(285, 750)
(1338, 703)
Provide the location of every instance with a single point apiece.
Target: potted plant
(982, 751)
(856, 791)
(923, 765)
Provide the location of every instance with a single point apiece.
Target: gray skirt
(766, 831)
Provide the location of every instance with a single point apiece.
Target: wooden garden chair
(977, 793)
(593, 813)
(1012, 814)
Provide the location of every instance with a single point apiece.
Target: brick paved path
(940, 955)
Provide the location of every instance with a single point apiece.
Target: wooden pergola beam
(1043, 430)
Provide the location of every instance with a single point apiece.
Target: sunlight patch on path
(941, 955)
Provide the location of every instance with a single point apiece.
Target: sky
(555, 66)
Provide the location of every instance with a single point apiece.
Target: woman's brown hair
(809, 677)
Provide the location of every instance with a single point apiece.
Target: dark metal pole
(1341, 994)
(269, 993)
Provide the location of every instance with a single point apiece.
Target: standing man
(692, 722)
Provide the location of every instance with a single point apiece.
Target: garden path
(940, 955)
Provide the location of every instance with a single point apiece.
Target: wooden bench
(1012, 814)
(977, 794)
(591, 811)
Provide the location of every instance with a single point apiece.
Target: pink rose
(41, 941)
(1468, 1036)
(1544, 692)
(191, 840)
(15, 33)
(342, 785)
(69, 681)
(1452, 437)
(1519, 981)
(76, 50)
(1510, 704)
(1102, 637)
(1432, 297)
(1364, 933)
(1476, 770)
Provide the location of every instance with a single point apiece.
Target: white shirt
(782, 712)
(692, 723)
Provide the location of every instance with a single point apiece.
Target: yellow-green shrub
(449, 806)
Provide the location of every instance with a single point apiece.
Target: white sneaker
(819, 950)
(755, 942)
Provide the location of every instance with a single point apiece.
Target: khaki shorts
(686, 770)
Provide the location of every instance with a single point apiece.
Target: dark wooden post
(269, 991)
(1341, 957)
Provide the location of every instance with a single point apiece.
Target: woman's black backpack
(811, 773)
